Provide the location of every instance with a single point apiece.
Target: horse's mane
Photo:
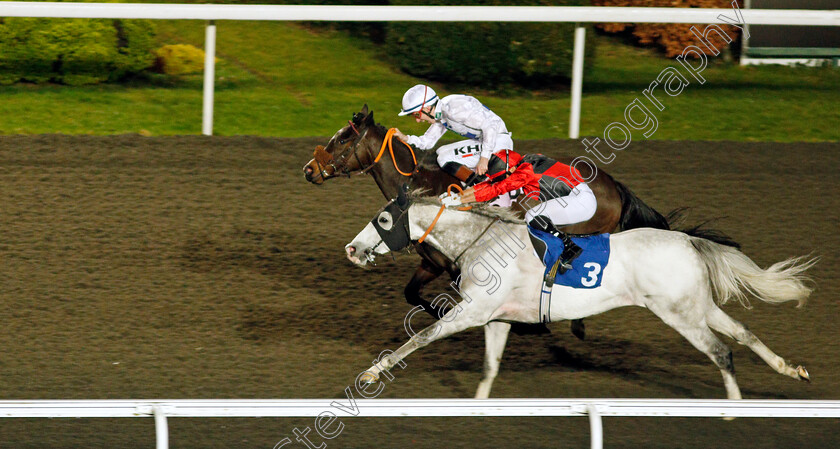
(483, 209)
(382, 129)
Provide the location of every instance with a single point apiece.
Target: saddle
(586, 271)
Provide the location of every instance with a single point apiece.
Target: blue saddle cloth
(587, 269)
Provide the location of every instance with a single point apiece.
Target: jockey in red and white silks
(554, 195)
(485, 131)
(554, 189)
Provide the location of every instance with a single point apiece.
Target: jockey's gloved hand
(451, 200)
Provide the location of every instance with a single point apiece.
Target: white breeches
(468, 152)
(503, 200)
(576, 207)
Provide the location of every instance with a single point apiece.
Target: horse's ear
(369, 119)
(402, 197)
(364, 110)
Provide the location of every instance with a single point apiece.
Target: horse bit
(330, 161)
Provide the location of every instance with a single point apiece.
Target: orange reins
(389, 143)
(440, 212)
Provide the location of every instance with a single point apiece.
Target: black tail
(678, 215)
(635, 213)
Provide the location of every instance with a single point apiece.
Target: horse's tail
(676, 217)
(732, 274)
(635, 213)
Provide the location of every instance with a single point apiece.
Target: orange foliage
(672, 37)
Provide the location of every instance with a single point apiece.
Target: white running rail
(341, 13)
(160, 410)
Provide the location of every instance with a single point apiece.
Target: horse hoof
(803, 373)
(369, 377)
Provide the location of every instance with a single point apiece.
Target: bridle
(432, 225)
(402, 218)
(340, 164)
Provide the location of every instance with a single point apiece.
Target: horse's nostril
(308, 170)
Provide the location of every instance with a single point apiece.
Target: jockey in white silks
(486, 132)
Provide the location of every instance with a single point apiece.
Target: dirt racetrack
(195, 267)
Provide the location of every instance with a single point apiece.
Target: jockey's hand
(451, 200)
(481, 168)
(468, 196)
(400, 135)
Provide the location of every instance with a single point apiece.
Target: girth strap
(545, 292)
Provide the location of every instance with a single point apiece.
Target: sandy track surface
(193, 267)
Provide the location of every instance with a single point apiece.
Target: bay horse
(676, 276)
(360, 148)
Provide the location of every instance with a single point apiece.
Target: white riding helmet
(417, 98)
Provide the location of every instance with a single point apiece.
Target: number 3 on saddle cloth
(587, 269)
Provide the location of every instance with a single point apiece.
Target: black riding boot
(463, 173)
(570, 249)
(475, 179)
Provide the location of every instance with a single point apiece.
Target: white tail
(733, 274)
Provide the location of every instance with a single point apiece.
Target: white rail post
(577, 81)
(596, 429)
(161, 428)
(209, 77)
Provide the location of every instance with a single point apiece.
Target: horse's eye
(385, 221)
(342, 142)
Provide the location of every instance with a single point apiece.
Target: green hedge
(73, 51)
(468, 53)
(370, 30)
(485, 54)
